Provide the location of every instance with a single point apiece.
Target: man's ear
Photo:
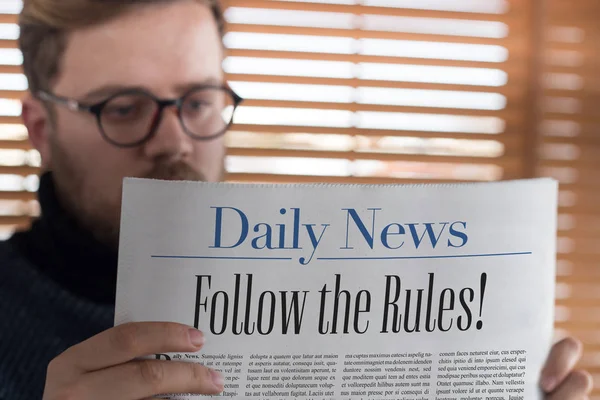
(37, 121)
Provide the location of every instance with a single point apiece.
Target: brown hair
(45, 25)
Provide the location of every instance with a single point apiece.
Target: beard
(98, 210)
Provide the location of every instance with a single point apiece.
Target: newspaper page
(403, 292)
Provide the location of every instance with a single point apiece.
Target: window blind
(569, 150)
(383, 91)
(18, 163)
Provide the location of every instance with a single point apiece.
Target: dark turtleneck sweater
(57, 289)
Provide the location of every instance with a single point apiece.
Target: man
(120, 88)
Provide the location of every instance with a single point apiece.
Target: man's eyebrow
(209, 81)
(109, 90)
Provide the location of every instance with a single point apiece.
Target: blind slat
(11, 94)
(580, 48)
(578, 234)
(15, 220)
(10, 69)
(583, 69)
(577, 141)
(556, 116)
(510, 18)
(10, 120)
(571, 302)
(353, 180)
(512, 67)
(20, 170)
(8, 44)
(21, 196)
(514, 90)
(584, 94)
(507, 114)
(508, 138)
(515, 43)
(254, 152)
(579, 277)
(8, 18)
(588, 164)
(15, 144)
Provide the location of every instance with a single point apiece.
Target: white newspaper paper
(348, 292)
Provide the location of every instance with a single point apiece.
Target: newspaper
(348, 292)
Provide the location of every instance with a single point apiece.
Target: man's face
(165, 49)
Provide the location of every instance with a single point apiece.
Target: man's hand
(105, 366)
(559, 379)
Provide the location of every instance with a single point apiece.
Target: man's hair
(46, 24)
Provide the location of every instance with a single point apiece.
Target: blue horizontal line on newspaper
(226, 258)
(347, 258)
(525, 253)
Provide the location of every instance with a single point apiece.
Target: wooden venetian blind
(377, 91)
(569, 150)
(18, 163)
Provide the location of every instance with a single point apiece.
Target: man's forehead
(168, 45)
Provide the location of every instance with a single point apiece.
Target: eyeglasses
(131, 117)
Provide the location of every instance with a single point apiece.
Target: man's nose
(170, 140)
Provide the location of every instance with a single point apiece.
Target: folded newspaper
(402, 292)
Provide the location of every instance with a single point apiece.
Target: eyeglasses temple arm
(71, 104)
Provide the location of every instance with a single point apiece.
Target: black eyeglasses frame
(97, 108)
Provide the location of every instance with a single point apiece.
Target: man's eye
(120, 111)
(196, 105)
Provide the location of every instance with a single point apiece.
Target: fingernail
(196, 337)
(217, 378)
(548, 384)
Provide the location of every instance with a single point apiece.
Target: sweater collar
(61, 249)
